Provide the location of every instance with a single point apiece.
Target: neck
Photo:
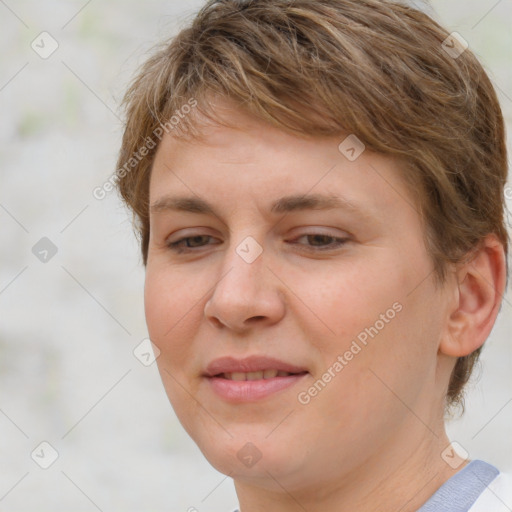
(401, 477)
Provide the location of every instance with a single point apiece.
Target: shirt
(478, 487)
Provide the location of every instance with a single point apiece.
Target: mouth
(252, 378)
(259, 375)
(246, 387)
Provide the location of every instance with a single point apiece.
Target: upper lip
(253, 363)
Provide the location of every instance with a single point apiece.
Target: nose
(247, 294)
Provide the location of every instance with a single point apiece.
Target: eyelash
(178, 247)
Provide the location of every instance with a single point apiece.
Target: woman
(318, 188)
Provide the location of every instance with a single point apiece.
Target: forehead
(253, 159)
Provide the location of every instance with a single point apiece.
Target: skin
(372, 438)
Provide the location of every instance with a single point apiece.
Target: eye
(188, 243)
(318, 242)
(323, 242)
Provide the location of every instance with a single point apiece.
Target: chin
(251, 457)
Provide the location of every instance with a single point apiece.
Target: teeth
(254, 375)
(264, 374)
(270, 374)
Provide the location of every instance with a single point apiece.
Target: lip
(238, 391)
(255, 363)
(250, 390)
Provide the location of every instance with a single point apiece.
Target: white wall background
(68, 326)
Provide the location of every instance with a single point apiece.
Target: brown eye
(188, 242)
(321, 241)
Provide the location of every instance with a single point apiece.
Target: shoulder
(496, 497)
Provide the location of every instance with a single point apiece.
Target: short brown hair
(374, 68)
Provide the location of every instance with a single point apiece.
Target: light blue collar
(459, 493)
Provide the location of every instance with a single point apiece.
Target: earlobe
(479, 291)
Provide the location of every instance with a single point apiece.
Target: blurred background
(84, 421)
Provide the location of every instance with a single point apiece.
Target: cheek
(170, 303)
(367, 311)
(343, 300)
(171, 308)
(158, 303)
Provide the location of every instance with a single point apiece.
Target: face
(336, 293)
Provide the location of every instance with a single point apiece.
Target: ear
(480, 285)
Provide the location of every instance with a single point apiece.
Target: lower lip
(251, 390)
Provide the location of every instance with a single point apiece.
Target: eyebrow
(284, 204)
